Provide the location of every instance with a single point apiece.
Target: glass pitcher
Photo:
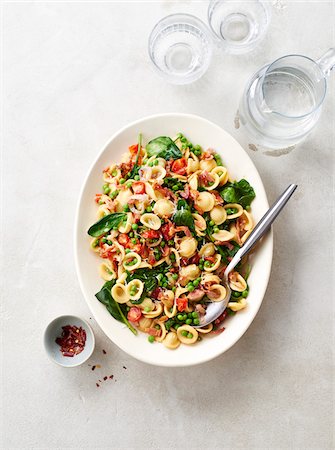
(282, 102)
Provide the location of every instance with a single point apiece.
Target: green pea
(195, 315)
(175, 276)
(177, 326)
(248, 208)
(122, 181)
(134, 241)
(175, 188)
(179, 136)
(245, 293)
(173, 289)
(189, 145)
(145, 160)
(180, 317)
(109, 242)
(162, 244)
(197, 147)
(106, 189)
(114, 173)
(151, 339)
(236, 294)
(149, 209)
(216, 229)
(189, 335)
(170, 242)
(173, 257)
(134, 226)
(196, 322)
(210, 183)
(197, 152)
(157, 327)
(115, 228)
(156, 162)
(129, 184)
(101, 202)
(188, 321)
(131, 234)
(212, 223)
(147, 309)
(150, 164)
(207, 264)
(137, 178)
(128, 250)
(103, 240)
(196, 283)
(183, 140)
(157, 256)
(184, 333)
(126, 208)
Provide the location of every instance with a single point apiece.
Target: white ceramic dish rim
(89, 328)
(92, 302)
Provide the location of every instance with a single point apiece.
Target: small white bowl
(54, 330)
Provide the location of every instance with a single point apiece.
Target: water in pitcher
(282, 101)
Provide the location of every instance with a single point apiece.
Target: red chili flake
(72, 341)
(105, 378)
(93, 367)
(111, 376)
(124, 367)
(104, 352)
(97, 384)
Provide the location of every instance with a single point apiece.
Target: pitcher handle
(327, 61)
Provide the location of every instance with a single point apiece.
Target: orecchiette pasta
(165, 234)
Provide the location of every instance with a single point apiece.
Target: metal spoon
(215, 309)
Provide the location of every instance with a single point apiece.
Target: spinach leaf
(149, 278)
(183, 215)
(106, 224)
(238, 192)
(163, 147)
(136, 167)
(117, 310)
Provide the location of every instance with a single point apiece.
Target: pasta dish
(169, 220)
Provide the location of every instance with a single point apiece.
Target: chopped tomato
(150, 234)
(134, 314)
(133, 149)
(151, 259)
(123, 239)
(182, 303)
(97, 197)
(138, 187)
(179, 166)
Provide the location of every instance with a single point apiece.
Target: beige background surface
(73, 73)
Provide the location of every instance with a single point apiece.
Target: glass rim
(239, 48)
(317, 106)
(155, 30)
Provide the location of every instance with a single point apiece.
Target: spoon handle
(263, 225)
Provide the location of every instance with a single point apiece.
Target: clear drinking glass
(282, 102)
(180, 47)
(239, 26)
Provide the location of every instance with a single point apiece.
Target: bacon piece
(153, 332)
(221, 318)
(196, 295)
(218, 330)
(200, 211)
(207, 154)
(186, 192)
(224, 244)
(194, 194)
(165, 191)
(185, 230)
(200, 309)
(218, 198)
(205, 178)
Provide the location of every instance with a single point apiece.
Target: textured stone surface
(73, 74)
